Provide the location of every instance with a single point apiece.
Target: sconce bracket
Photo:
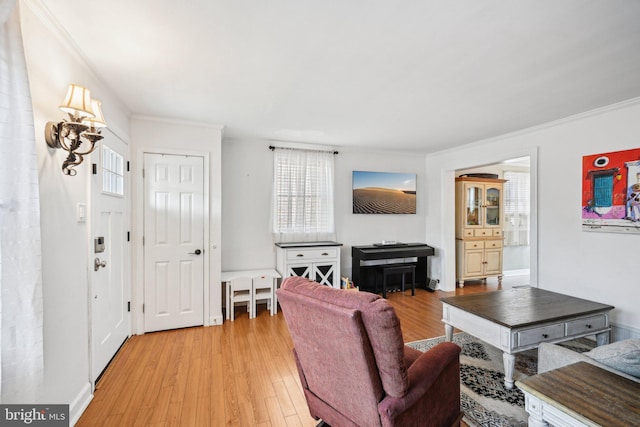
(52, 135)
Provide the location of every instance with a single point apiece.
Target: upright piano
(364, 276)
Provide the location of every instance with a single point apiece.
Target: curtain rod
(272, 147)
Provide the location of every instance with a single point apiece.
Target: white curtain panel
(302, 209)
(21, 373)
(516, 207)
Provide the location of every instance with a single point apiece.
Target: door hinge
(128, 166)
(94, 168)
(142, 240)
(128, 306)
(143, 172)
(143, 308)
(128, 236)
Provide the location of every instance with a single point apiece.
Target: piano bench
(390, 269)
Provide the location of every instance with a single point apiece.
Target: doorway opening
(516, 263)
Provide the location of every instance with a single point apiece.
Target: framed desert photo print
(384, 193)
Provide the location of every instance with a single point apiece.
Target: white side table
(228, 276)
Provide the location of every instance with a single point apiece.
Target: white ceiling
(408, 75)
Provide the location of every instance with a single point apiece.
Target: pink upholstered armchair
(354, 367)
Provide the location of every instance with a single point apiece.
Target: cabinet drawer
(316, 253)
(587, 324)
(467, 232)
(541, 334)
(482, 232)
(491, 244)
(476, 244)
(497, 232)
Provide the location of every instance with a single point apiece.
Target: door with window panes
(110, 252)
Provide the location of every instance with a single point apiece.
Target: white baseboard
(79, 404)
(509, 273)
(215, 320)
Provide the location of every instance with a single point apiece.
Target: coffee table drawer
(541, 334)
(587, 324)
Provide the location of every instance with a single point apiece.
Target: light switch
(82, 212)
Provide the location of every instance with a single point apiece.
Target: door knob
(97, 264)
(197, 252)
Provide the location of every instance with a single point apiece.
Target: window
(516, 208)
(112, 172)
(303, 195)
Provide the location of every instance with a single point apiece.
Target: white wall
(247, 174)
(52, 66)
(589, 265)
(360, 229)
(160, 135)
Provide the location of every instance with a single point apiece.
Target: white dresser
(319, 261)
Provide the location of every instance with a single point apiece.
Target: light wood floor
(239, 374)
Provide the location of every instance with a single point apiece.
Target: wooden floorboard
(239, 374)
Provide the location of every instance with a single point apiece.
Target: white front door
(110, 253)
(173, 241)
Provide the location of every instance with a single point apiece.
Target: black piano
(364, 276)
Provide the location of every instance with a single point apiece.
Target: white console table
(319, 261)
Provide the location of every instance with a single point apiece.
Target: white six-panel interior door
(173, 241)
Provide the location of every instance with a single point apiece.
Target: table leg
(355, 270)
(509, 361)
(536, 421)
(227, 298)
(602, 338)
(448, 332)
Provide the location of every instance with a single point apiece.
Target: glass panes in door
(474, 203)
(493, 206)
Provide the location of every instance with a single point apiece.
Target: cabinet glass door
(474, 203)
(493, 206)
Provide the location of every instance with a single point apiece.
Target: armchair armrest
(423, 373)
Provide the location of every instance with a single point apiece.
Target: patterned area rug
(483, 397)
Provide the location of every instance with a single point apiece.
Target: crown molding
(49, 20)
(548, 125)
(173, 121)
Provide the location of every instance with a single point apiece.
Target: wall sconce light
(77, 135)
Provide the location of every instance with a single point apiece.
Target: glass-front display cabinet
(480, 205)
(479, 221)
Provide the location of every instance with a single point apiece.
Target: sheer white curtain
(302, 203)
(516, 208)
(21, 373)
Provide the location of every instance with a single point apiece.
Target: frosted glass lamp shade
(78, 102)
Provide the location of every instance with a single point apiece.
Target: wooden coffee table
(519, 319)
(581, 395)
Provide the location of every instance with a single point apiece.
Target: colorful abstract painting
(611, 192)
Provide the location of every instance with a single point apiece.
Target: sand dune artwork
(384, 193)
